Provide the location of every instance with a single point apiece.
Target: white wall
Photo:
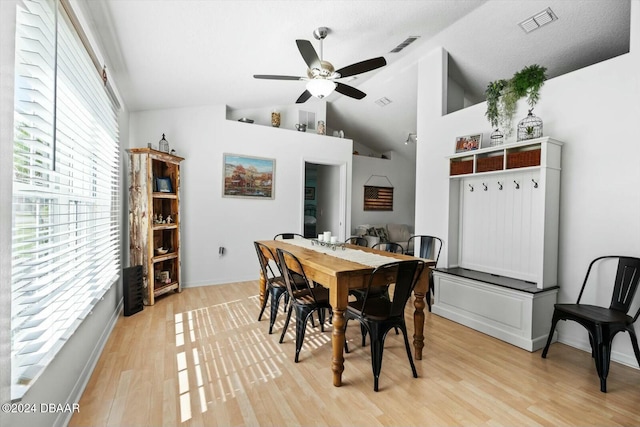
(401, 173)
(594, 111)
(201, 135)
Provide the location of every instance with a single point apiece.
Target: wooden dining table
(339, 276)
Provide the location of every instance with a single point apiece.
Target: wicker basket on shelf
(523, 159)
(461, 167)
(487, 164)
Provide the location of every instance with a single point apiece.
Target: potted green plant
(492, 93)
(503, 95)
(528, 81)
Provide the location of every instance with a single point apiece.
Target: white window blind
(66, 202)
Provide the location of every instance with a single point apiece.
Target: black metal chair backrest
(405, 275)
(358, 241)
(625, 285)
(265, 266)
(430, 246)
(300, 290)
(286, 236)
(389, 247)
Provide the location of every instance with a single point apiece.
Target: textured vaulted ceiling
(173, 53)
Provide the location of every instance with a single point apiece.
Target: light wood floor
(201, 358)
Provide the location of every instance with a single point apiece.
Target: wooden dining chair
(305, 299)
(430, 247)
(378, 315)
(603, 323)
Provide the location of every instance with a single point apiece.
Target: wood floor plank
(200, 357)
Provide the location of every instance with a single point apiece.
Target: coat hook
(485, 186)
(517, 184)
(499, 185)
(535, 184)
(470, 187)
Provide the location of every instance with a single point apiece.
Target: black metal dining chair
(380, 290)
(430, 247)
(276, 287)
(286, 236)
(358, 241)
(378, 314)
(389, 247)
(604, 323)
(305, 299)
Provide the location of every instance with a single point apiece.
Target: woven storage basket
(523, 159)
(461, 167)
(486, 164)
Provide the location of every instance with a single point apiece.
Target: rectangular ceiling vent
(538, 20)
(404, 44)
(383, 102)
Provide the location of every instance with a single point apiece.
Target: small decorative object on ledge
(321, 128)
(164, 144)
(497, 138)
(530, 127)
(301, 127)
(275, 119)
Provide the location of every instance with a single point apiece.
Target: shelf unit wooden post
(154, 197)
(504, 209)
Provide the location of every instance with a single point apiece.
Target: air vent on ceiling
(538, 20)
(383, 102)
(404, 44)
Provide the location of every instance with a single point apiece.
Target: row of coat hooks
(501, 185)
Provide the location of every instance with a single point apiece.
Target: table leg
(418, 324)
(337, 343)
(339, 298)
(419, 292)
(263, 287)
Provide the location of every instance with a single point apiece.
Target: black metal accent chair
(389, 247)
(379, 290)
(276, 287)
(286, 236)
(358, 241)
(378, 314)
(430, 247)
(604, 323)
(305, 299)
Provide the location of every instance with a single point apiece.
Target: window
(65, 244)
(378, 198)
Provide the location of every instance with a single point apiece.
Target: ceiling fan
(321, 75)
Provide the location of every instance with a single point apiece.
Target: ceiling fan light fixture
(320, 87)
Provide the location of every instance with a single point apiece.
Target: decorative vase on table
(530, 127)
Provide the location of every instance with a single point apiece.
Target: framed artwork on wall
(468, 142)
(248, 176)
(309, 193)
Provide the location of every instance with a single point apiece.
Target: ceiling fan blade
(362, 67)
(272, 77)
(349, 91)
(309, 54)
(303, 98)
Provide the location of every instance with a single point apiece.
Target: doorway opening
(324, 199)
